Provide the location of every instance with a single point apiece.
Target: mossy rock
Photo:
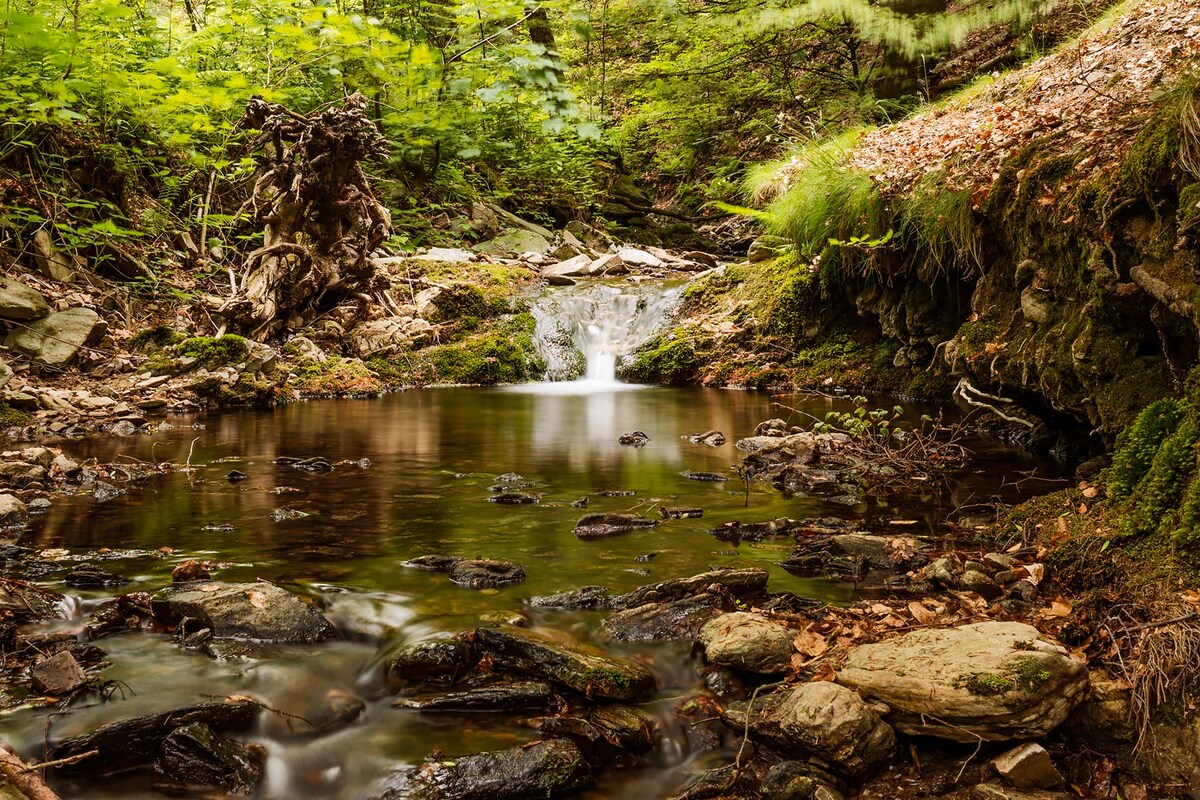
(214, 351)
(336, 377)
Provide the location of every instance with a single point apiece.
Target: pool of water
(433, 456)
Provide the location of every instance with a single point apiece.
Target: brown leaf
(257, 598)
(921, 613)
(810, 643)
(1058, 608)
(209, 587)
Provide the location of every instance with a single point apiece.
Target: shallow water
(434, 454)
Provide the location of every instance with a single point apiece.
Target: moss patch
(336, 377)
(214, 351)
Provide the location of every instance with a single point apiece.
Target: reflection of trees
(409, 502)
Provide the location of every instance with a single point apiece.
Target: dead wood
(320, 217)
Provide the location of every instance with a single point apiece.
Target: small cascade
(598, 323)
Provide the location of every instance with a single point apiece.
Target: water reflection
(434, 454)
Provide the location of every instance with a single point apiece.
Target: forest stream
(414, 474)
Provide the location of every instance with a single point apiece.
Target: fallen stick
(27, 780)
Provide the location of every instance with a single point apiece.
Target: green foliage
(154, 339)
(862, 423)
(12, 418)
(1138, 444)
(1154, 156)
(938, 220)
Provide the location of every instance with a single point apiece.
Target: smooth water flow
(598, 323)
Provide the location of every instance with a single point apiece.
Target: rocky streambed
(328, 602)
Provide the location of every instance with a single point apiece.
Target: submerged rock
(89, 575)
(435, 658)
(680, 513)
(474, 573)
(710, 477)
(992, 680)
(541, 769)
(750, 642)
(584, 670)
(515, 499)
(196, 755)
(635, 439)
(257, 611)
(710, 438)
(596, 526)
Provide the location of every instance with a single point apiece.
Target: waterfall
(598, 323)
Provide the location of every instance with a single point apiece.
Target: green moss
(210, 351)
(670, 359)
(248, 391)
(1138, 444)
(986, 684)
(12, 418)
(336, 377)
(496, 350)
(156, 338)
(1025, 674)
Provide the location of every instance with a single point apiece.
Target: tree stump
(320, 218)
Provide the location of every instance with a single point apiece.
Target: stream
(412, 476)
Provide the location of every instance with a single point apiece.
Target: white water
(600, 322)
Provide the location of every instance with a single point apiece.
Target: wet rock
(137, 742)
(128, 612)
(580, 503)
(823, 719)
(788, 780)
(196, 755)
(710, 438)
(943, 572)
(474, 573)
(711, 477)
(236, 476)
(12, 511)
(1028, 766)
(567, 664)
(515, 696)
(740, 583)
(335, 710)
(438, 658)
(724, 683)
(104, 492)
(19, 474)
(54, 340)
(681, 513)
(750, 642)
(542, 769)
(190, 570)
(720, 783)
(976, 581)
(595, 526)
(90, 576)
(609, 733)
(634, 439)
(58, 675)
(486, 573)
(515, 499)
(585, 598)
(772, 427)
(666, 621)
(994, 791)
(995, 681)
(754, 531)
(256, 611)
(21, 302)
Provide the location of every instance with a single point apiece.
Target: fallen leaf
(810, 643)
(209, 587)
(1058, 608)
(921, 613)
(257, 598)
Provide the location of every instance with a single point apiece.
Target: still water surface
(433, 456)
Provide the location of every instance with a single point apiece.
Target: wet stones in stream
(680, 513)
(634, 439)
(138, 742)
(749, 642)
(704, 477)
(438, 659)
(542, 769)
(261, 612)
(473, 573)
(572, 665)
(710, 438)
(515, 498)
(606, 735)
(585, 598)
(666, 621)
(598, 526)
(90, 576)
(511, 696)
(196, 755)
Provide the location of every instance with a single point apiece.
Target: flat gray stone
(256, 611)
(21, 302)
(54, 340)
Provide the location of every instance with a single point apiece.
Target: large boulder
(515, 243)
(996, 681)
(821, 720)
(541, 769)
(12, 511)
(256, 611)
(575, 267)
(747, 641)
(21, 302)
(571, 665)
(54, 340)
